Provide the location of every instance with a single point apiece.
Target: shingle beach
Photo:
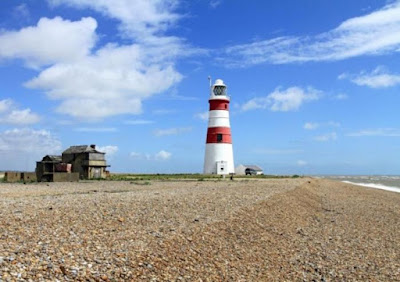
(241, 230)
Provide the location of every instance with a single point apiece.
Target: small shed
(241, 169)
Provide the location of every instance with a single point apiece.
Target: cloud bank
(290, 99)
(10, 114)
(378, 78)
(20, 148)
(160, 156)
(372, 34)
(94, 82)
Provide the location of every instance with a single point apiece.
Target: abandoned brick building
(77, 162)
(86, 160)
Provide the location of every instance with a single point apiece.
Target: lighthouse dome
(219, 82)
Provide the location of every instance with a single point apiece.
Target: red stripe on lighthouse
(219, 105)
(219, 135)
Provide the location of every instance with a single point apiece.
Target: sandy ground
(275, 229)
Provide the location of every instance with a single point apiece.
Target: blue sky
(314, 85)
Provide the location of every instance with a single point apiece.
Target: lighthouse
(219, 153)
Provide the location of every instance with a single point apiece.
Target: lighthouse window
(219, 137)
(219, 90)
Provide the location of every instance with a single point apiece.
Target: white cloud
(163, 155)
(10, 114)
(171, 131)
(110, 150)
(378, 78)
(29, 140)
(20, 117)
(315, 125)
(5, 105)
(215, 3)
(20, 148)
(202, 116)
(290, 99)
(136, 155)
(341, 96)
(311, 125)
(301, 163)
(160, 156)
(111, 79)
(138, 122)
(382, 132)
(96, 129)
(142, 19)
(372, 34)
(21, 11)
(326, 137)
(46, 42)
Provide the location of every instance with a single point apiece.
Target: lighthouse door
(222, 167)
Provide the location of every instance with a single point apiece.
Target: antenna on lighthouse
(209, 80)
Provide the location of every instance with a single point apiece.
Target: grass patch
(141, 183)
(181, 176)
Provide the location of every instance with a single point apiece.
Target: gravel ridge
(242, 230)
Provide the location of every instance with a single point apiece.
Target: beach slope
(282, 229)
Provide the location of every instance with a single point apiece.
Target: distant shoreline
(376, 186)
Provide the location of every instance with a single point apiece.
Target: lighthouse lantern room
(219, 154)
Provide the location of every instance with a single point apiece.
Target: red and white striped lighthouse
(219, 153)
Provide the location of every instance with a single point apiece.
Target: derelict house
(86, 161)
(47, 167)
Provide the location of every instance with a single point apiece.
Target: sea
(383, 182)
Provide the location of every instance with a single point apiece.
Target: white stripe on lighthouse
(219, 118)
(218, 114)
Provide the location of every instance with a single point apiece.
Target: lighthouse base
(219, 159)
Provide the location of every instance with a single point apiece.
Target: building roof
(82, 149)
(52, 158)
(255, 167)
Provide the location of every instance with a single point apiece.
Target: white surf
(376, 186)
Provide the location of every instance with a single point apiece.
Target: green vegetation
(186, 177)
(145, 179)
(141, 183)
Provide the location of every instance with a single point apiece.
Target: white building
(250, 169)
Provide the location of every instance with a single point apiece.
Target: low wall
(66, 177)
(11, 176)
(29, 176)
